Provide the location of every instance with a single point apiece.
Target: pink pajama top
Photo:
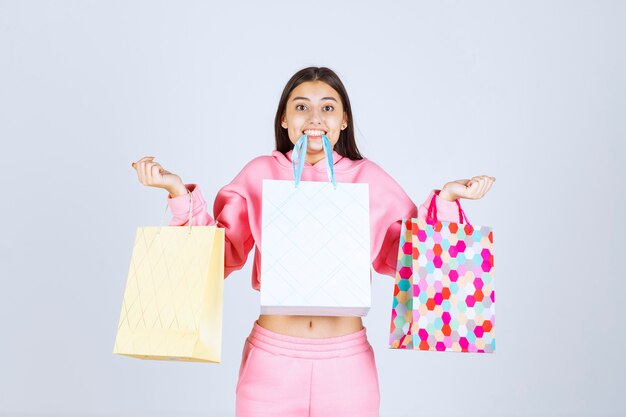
(237, 208)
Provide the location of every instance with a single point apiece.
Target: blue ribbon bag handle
(299, 155)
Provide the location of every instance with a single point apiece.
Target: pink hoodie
(237, 208)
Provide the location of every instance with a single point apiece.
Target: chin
(315, 147)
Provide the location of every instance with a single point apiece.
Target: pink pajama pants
(286, 376)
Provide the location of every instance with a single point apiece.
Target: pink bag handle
(432, 211)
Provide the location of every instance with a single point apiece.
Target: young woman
(307, 365)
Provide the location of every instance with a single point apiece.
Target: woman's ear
(344, 124)
(283, 123)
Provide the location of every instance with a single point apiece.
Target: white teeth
(314, 132)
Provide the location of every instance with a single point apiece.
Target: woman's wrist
(178, 191)
(446, 195)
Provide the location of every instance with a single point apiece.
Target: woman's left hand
(472, 189)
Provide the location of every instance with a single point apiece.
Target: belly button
(310, 323)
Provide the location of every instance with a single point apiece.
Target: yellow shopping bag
(172, 308)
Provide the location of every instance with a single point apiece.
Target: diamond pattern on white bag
(316, 247)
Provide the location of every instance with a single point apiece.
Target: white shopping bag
(316, 246)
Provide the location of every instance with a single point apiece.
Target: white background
(531, 92)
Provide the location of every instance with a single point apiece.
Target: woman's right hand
(152, 174)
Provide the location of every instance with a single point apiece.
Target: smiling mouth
(313, 133)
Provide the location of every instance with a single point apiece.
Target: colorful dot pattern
(444, 295)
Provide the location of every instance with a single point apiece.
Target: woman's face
(314, 108)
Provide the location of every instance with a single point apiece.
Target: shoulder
(369, 170)
(248, 182)
(373, 167)
(257, 167)
(383, 187)
(258, 163)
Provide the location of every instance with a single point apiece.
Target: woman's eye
(299, 105)
(329, 106)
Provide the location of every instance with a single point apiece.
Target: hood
(341, 163)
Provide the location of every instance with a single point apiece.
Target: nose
(315, 117)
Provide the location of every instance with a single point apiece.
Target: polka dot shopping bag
(444, 294)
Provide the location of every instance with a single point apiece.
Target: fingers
(154, 170)
(142, 171)
(152, 173)
(478, 186)
(485, 182)
(490, 184)
(147, 170)
(475, 187)
(145, 158)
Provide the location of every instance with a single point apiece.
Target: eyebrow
(304, 98)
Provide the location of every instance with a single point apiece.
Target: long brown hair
(346, 145)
